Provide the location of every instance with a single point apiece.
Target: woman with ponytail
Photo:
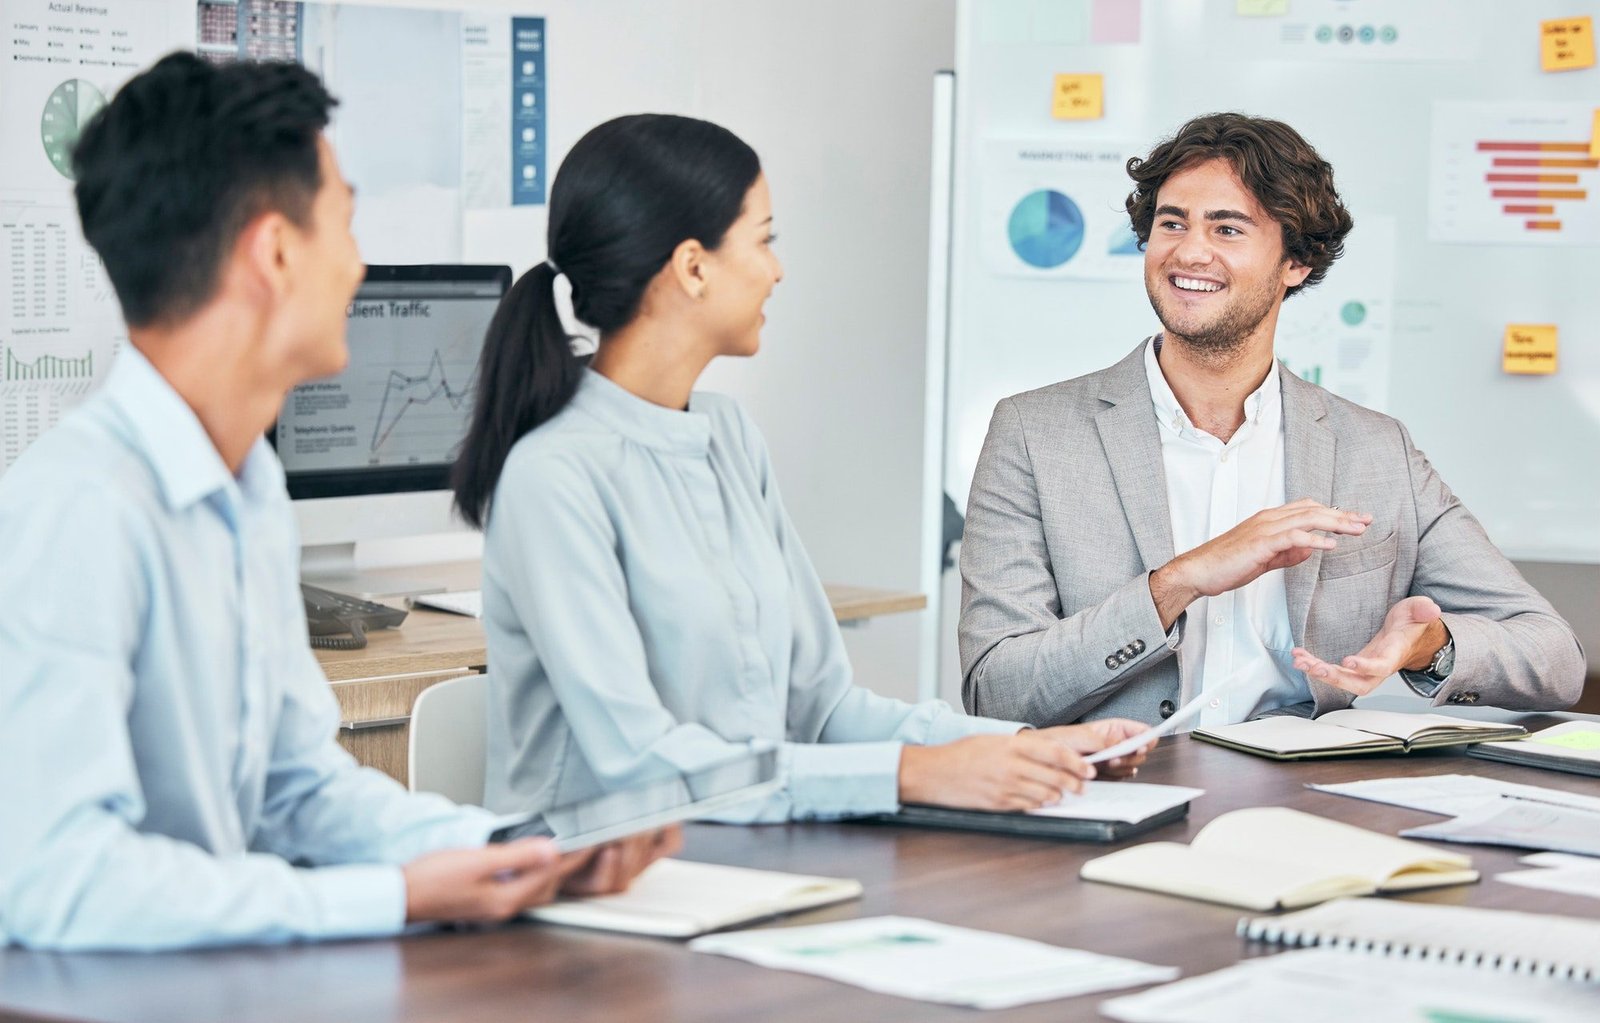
(648, 604)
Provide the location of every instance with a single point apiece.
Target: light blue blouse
(649, 608)
(168, 765)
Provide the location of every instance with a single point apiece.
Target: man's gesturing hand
(1270, 539)
(1411, 634)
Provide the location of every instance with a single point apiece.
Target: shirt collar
(1264, 405)
(644, 422)
(169, 436)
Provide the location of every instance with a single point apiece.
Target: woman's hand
(1094, 736)
(993, 772)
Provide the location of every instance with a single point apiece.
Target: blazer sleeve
(1020, 659)
(1512, 649)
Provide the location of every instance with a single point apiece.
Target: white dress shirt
(1241, 637)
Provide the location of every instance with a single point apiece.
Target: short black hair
(185, 156)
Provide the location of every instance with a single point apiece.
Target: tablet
(722, 786)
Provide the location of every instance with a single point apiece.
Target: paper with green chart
(934, 962)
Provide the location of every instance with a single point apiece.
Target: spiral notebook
(1486, 939)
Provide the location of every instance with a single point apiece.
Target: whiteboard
(1435, 270)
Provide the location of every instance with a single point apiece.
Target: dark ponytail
(630, 192)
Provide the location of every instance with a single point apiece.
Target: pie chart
(67, 110)
(1045, 229)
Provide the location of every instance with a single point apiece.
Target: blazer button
(1168, 708)
(1138, 646)
(1111, 662)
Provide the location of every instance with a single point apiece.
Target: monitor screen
(392, 420)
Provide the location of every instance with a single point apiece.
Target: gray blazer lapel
(1308, 472)
(1132, 443)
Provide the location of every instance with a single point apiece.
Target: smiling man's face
(1214, 266)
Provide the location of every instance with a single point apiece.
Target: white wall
(836, 97)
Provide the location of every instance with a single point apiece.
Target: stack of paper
(1558, 872)
(1489, 812)
(1450, 795)
(934, 962)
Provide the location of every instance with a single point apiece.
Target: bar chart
(1506, 173)
(47, 367)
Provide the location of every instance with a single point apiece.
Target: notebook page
(1398, 725)
(697, 897)
(1285, 734)
(1126, 801)
(1231, 878)
(1278, 833)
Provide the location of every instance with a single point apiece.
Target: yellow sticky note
(1594, 138)
(1582, 739)
(1261, 8)
(1078, 98)
(1566, 44)
(1530, 348)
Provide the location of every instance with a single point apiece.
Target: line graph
(401, 393)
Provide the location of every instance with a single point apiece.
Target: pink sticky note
(1114, 21)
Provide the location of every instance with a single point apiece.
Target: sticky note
(1261, 8)
(1594, 138)
(1530, 348)
(1579, 739)
(1078, 98)
(1566, 44)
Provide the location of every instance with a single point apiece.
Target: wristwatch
(1428, 681)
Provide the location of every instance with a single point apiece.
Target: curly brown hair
(1279, 167)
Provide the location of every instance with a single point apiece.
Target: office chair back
(449, 740)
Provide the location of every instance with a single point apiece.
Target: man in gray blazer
(1194, 521)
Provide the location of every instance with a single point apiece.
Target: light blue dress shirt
(650, 609)
(167, 756)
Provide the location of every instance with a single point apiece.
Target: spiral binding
(1272, 934)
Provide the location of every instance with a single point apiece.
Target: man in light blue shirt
(168, 772)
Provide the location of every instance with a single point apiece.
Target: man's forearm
(1171, 593)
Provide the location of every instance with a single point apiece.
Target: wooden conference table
(1017, 886)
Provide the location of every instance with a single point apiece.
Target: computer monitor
(367, 453)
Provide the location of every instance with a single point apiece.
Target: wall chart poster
(60, 62)
(1055, 211)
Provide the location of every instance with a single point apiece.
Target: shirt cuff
(358, 901)
(846, 779)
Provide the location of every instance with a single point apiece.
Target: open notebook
(1493, 939)
(1275, 858)
(1344, 733)
(680, 899)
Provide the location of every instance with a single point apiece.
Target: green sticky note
(1261, 8)
(1579, 739)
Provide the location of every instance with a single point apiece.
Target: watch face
(1444, 662)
